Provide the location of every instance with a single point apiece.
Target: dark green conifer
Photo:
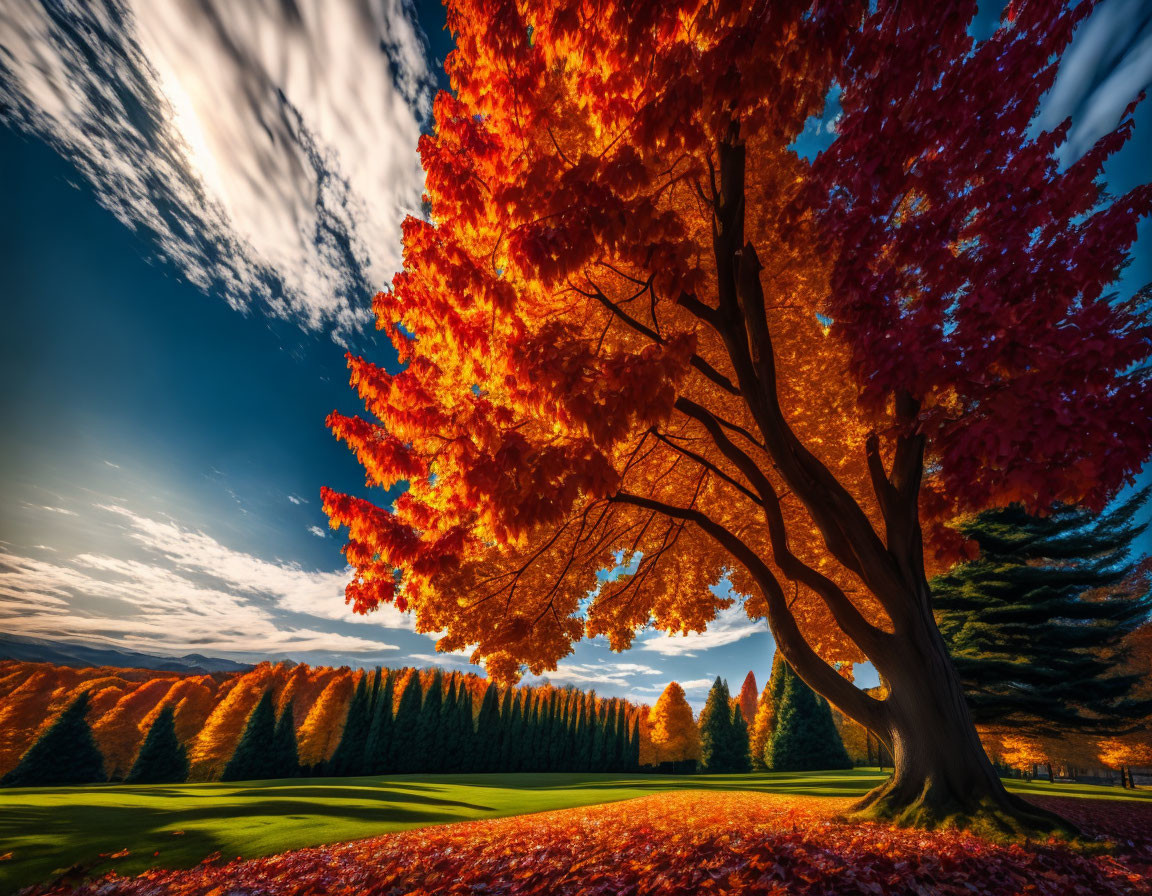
(406, 727)
(538, 727)
(348, 759)
(557, 732)
(253, 757)
(620, 759)
(448, 734)
(741, 760)
(162, 758)
(378, 757)
(284, 747)
(64, 754)
(507, 730)
(430, 737)
(585, 731)
(804, 737)
(1034, 624)
(488, 730)
(599, 739)
(717, 753)
(466, 729)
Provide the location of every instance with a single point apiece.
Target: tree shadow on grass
(75, 836)
(327, 792)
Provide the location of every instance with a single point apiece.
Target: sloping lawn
(48, 830)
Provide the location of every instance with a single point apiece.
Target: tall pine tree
(466, 758)
(253, 758)
(430, 736)
(406, 727)
(285, 750)
(64, 754)
(740, 756)
(717, 750)
(162, 758)
(1034, 623)
(378, 749)
(488, 730)
(804, 736)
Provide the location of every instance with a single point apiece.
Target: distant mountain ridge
(79, 656)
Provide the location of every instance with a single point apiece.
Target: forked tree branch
(865, 709)
(870, 638)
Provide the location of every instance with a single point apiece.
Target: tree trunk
(942, 776)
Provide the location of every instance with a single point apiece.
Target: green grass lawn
(50, 829)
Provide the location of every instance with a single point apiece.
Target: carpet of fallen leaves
(683, 843)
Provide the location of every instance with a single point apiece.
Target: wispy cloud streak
(267, 148)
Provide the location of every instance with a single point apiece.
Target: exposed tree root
(1002, 816)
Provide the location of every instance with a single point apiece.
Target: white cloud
(317, 531)
(63, 511)
(599, 674)
(1105, 68)
(268, 148)
(144, 606)
(443, 658)
(731, 625)
(314, 593)
(296, 499)
(160, 586)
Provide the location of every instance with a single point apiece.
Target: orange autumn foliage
(319, 734)
(574, 381)
(748, 697)
(672, 730)
(222, 729)
(1134, 748)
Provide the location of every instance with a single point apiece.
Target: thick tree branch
(865, 709)
(847, 531)
(870, 639)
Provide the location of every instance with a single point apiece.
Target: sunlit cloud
(162, 586)
(291, 587)
(268, 149)
(1107, 66)
(620, 675)
(144, 606)
(731, 625)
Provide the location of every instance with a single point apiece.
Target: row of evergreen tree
(437, 731)
(422, 731)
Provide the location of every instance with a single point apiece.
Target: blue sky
(198, 207)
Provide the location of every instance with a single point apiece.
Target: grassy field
(47, 830)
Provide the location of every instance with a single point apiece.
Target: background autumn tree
(765, 719)
(672, 729)
(748, 696)
(636, 320)
(319, 735)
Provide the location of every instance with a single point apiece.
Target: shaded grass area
(49, 830)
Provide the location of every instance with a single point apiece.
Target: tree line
(394, 724)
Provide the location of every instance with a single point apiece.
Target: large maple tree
(637, 321)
